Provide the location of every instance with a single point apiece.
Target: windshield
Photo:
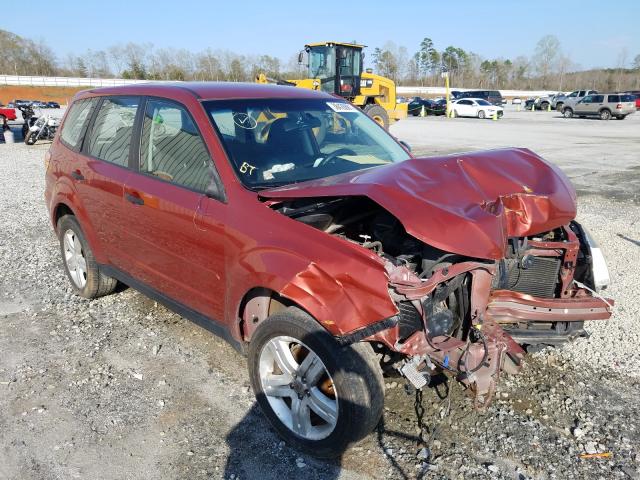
(482, 102)
(274, 142)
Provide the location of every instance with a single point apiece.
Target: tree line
(548, 68)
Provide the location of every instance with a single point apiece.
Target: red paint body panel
(467, 204)
(8, 113)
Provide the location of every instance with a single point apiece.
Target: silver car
(603, 105)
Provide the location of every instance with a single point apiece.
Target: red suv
(289, 223)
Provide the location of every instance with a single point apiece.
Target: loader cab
(337, 66)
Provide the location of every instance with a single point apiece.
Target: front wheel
(605, 115)
(320, 396)
(378, 114)
(31, 137)
(567, 112)
(481, 114)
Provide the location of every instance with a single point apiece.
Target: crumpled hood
(468, 204)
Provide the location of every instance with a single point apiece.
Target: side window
(614, 98)
(587, 99)
(110, 136)
(75, 121)
(171, 147)
(597, 98)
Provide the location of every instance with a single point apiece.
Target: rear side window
(627, 98)
(71, 134)
(597, 99)
(110, 137)
(614, 98)
(171, 147)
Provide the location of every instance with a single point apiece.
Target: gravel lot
(122, 388)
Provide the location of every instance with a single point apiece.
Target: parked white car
(475, 107)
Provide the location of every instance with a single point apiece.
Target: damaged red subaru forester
(293, 226)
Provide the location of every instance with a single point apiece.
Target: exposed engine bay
(465, 316)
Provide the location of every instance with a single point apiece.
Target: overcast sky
(593, 33)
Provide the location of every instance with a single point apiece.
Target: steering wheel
(334, 154)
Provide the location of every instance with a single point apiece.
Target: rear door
(104, 169)
(174, 238)
(465, 108)
(597, 102)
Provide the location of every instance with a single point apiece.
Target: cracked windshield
(274, 142)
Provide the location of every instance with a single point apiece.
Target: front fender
(342, 296)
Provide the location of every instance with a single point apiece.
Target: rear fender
(67, 196)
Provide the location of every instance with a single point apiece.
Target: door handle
(77, 175)
(135, 199)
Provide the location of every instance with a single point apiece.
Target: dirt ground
(122, 388)
(62, 95)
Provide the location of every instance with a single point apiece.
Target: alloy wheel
(298, 387)
(74, 259)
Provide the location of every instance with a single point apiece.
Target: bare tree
(545, 57)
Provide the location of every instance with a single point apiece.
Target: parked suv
(291, 224)
(603, 105)
(491, 96)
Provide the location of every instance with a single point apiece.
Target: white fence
(113, 82)
(65, 81)
(442, 91)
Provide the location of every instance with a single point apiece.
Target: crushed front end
(470, 317)
(482, 255)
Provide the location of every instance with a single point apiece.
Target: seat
(286, 143)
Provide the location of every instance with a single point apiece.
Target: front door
(170, 245)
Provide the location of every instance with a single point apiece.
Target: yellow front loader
(336, 68)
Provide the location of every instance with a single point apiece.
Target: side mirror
(300, 56)
(405, 145)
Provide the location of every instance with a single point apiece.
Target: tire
(559, 107)
(481, 114)
(605, 114)
(544, 106)
(379, 115)
(351, 376)
(96, 284)
(30, 138)
(567, 112)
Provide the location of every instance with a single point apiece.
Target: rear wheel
(79, 262)
(379, 115)
(605, 114)
(559, 106)
(544, 105)
(319, 396)
(567, 112)
(481, 114)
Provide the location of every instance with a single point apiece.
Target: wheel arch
(266, 281)
(62, 207)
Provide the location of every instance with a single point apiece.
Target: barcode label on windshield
(341, 107)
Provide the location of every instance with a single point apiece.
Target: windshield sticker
(246, 168)
(244, 121)
(341, 107)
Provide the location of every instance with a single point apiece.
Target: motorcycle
(43, 128)
(28, 116)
